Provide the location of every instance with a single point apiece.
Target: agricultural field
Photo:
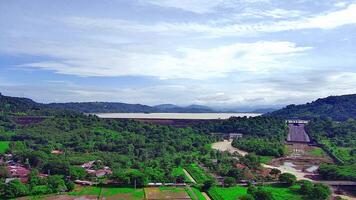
(199, 175)
(166, 193)
(109, 193)
(195, 194)
(232, 193)
(4, 146)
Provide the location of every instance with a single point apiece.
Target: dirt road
(226, 146)
(189, 176)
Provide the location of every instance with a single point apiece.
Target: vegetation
(257, 193)
(4, 146)
(195, 194)
(339, 108)
(287, 179)
(259, 133)
(198, 174)
(338, 139)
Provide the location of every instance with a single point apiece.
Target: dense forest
(339, 108)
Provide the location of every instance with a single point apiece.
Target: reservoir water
(174, 115)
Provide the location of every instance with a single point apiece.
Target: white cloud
(191, 63)
(328, 20)
(201, 6)
(196, 6)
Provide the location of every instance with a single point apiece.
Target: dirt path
(206, 196)
(189, 176)
(226, 146)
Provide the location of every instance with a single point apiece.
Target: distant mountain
(18, 104)
(171, 108)
(166, 106)
(264, 110)
(25, 105)
(103, 107)
(339, 108)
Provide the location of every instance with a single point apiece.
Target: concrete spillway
(297, 133)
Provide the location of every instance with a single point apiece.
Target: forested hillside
(337, 138)
(339, 108)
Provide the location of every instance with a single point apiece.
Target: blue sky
(226, 53)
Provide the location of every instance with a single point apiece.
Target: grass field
(265, 159)
(232, 193)
(4, 146)
(317, 152)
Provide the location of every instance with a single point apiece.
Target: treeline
(36, 186)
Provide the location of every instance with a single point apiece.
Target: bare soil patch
(226, 146)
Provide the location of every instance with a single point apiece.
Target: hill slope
(338, 108)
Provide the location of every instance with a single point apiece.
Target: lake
(174, 115)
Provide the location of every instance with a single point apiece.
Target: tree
(287, 178)
(56, 183)
(305, 186)
(259, 193)
(4, 173)
(15, 189)
(207, 184)
(262, 195)
(274, 172)
(229, 181)
(247, 197)
(70, 185)
(76, 173)
(320, 192)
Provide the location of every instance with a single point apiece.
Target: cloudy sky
(228, 53)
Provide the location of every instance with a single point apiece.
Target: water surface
(174, 115)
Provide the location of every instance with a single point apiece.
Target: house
(240, 166)
(102, 172)
(80, 182)
(88, 165)
(56, 152)
(18, 171)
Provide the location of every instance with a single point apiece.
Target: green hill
(339, 108)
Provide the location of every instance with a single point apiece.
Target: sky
(220, 53)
